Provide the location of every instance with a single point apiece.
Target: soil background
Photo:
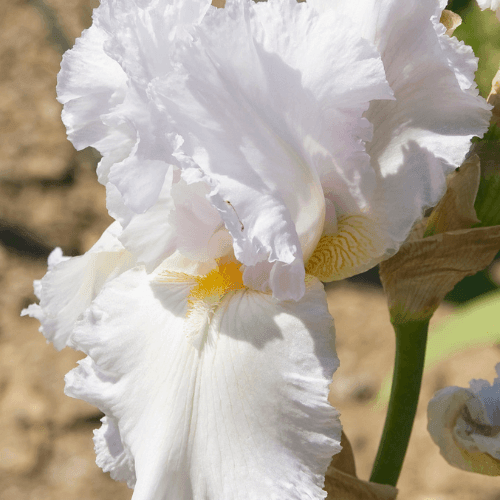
(49, 197)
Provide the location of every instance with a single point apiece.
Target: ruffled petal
(490, 4)
(330, 131)
(425, 132)
(243, 416)
(182, 220)
(103, 86)
(71, 284)
(262, 117)
(465, 424)
(89, 85)
(110, 455)
(269, 122)
(147, 30)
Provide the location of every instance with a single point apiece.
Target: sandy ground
(49, 197)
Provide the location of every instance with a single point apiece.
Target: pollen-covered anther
(347, 252)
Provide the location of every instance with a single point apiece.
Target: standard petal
(263, 117)
(89, 85)
(182, 220)
(103, 86)
(71, 284)
(425, 132)
(149, 236)
(273, 120)
(244, 416)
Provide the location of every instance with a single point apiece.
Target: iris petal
(425, 132)
(71, 284)
(244, 416)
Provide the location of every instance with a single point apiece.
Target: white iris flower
(465, 424)
(362, 106)
(248, 153)
(210, 389)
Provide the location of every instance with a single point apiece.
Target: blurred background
(49, 196)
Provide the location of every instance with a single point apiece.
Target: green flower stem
(411, 339)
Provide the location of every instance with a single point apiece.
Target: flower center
(206, 295)
(212, 287)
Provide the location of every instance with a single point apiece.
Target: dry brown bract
(425, 269)
(451, 21)
(341, 480)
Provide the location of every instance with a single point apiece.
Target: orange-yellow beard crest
(214, 285)
(206, 295)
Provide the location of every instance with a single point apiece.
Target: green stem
(411, 339)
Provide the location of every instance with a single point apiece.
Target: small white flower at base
(465, 424)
